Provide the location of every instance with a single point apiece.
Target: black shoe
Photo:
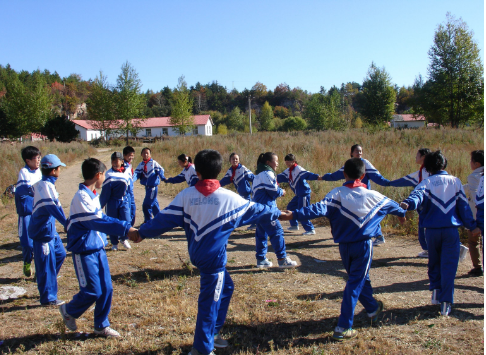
(477, 271)
(53, 303)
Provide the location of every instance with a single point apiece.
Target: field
(272, 311)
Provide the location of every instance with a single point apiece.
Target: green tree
(129, 101)
(323, 112)
(454, 91)
(235, 119)
(101, 105)
(61, 129)
(378, 96)
(294, 124)
(266, 117)
(182, 104)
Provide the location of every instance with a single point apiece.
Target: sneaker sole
(220, 346)
(344, 339)
(264, 266)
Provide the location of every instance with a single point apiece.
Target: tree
(235, 119)
(294, 124)
(323, 112)
(455, 77)
(101, 105)
(61, 129)
(266, 118)
(182, 105)
(129, 101)
(378, 96)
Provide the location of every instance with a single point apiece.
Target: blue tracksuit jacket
(152, 177)
(188, 174)
(129, 170)
(24, 195)
(411, 180)
(243, 178)
(116, 188)
(265, 189)
(371, 174)
(299, 185)
(480, 205)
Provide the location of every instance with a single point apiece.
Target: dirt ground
(272, 311)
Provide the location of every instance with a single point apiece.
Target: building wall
(409, 124)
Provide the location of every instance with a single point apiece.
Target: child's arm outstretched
(411, 180)
(226, 180)
(176, 179)
(335, 176)
(374, 175)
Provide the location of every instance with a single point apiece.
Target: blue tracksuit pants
(421, 238)
(133, 209)
(119, 209)
(25, 242)
(214, 298)
(93, 273)
(443, 245)
(296, 203)
(273, 230)
(48, 260)
(356, 259)
(150, 204)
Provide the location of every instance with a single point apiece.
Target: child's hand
(476, 232)
(284, 192)
(286, 216)
(319, 178)
(402, 220)
(404, 206)
(134, 236)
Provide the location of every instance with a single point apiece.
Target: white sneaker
(293, 228)
(107, 333)
(264, 263)
(220, 342)
(379, 241)
(286, 263)
(114, 247)
(68, 320)
(311, 232)
(463, 253)
(445, 308)
(435, 295)
(126, 244)
(423, 254)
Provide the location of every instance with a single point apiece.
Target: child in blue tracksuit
(479, 201)
(266, 191)
(87, 227)
(355, 213)
(150, 173)
(49, 252)
(115, 196)
(296, 177)
(444, 208)
(188, 173)
(208, 215)
(371, 174)
(24, 198)
(128, 155)
(413, 180)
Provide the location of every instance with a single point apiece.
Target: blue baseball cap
(51, 161)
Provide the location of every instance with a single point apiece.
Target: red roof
(151, 122)
(409, 117)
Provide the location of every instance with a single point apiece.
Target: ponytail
(264, 157)
(183, 158)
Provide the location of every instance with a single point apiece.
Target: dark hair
(424, 151)
(91, 167)
(264, 157)
(291, 157)
(208, 163)
(145, 149)
(29, 152)
(477, 156)
(354, 168)
(232, 155)
(128, 150)
(183, 158)
(47, 171)
(354, 147)
(434, 162)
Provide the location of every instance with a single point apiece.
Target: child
(115, 196)
(49, 253)
(266, 191)
(188, 173)
(128, 155)
(371, 174)
(208, 215)
(150, 173)
(444, 208)
(86, 233)
(355, 213)
(480, 212)
(471, 188)
(241, 177)
(24, 197)
(413, 180)
(296, 177)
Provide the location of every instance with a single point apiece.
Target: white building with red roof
(150, 127)
(407, 121)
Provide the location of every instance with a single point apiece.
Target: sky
(306, 44)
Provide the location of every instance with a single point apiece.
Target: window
(194, 131)
(148, 132)
(165, 131)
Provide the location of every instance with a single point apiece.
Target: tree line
(451, 94)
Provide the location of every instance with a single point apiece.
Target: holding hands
(134, 236)
(286, 216)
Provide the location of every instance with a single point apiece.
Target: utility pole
(249, 108)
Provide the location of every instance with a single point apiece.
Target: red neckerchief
(420, 173)
(94, 192)
(234, 172)
(207, 186)
(189, 165)
(121, 170)
(145, 162)
(290, 171)
(355, 183)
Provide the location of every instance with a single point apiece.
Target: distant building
(151, 127)
(407, 121)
